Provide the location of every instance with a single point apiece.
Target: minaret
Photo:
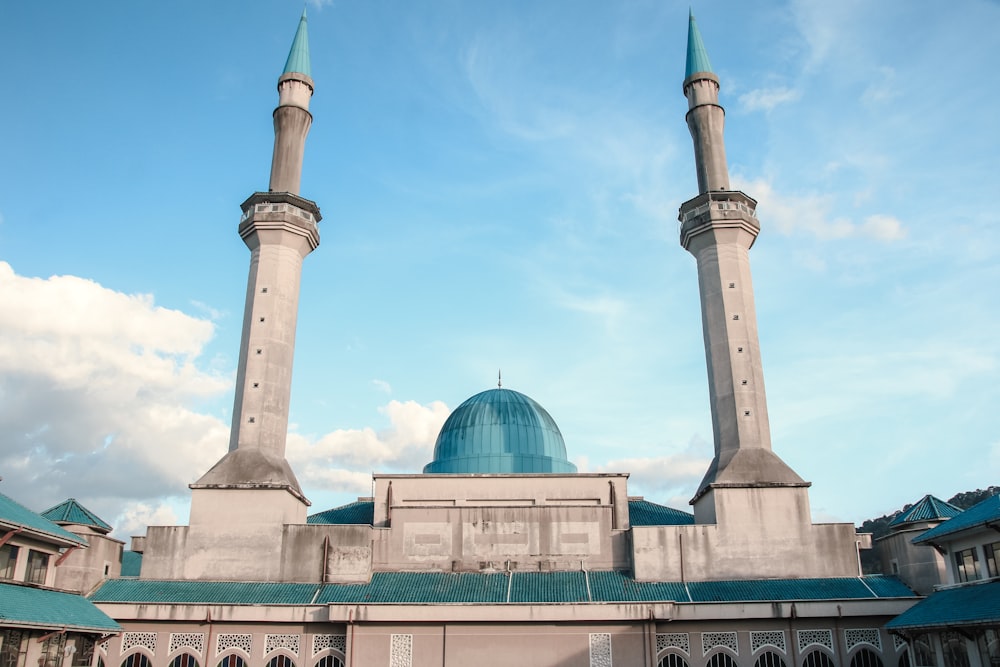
(718, 227)
(280, 229)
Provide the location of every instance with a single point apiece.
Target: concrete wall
(760, 533)
(920, 567)
(85, 569)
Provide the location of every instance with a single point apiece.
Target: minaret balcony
(717, 208)
(273, 210)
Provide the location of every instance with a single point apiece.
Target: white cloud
(670, 479)
(342, 460)
(97, 390)
(814, 214)
(382, 386)
(136, 516)
(765, 99)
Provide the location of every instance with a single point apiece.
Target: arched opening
(672, 660)
(904, 658)
(136, 660)
(769, 659)
(281, 661)
(329, 661)
(184, 660)
(866, 658)
(956, 653)
(817, 658)
(721, 659)
(232, 660)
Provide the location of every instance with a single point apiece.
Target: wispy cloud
(382, 386)
(817, 215)
(765, 99)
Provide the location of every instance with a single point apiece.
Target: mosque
(499, 552)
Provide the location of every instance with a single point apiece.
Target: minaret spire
(292, 118)
(280, 228)
(718, 227)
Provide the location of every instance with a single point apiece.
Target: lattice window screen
(679, 640)
(146, 640)
(600, 649)
(192, 640)
(821, 637)
(775, 638)
(856, 636)
(287, 642)
(898, 642)
(401, 651)
(104, 646)
(226, 641)
(324, 642)
(710, 640)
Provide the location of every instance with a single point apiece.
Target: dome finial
(499, 380)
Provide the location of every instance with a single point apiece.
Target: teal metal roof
(500, 431)
(927, 508)
(298, 56)
(131, 564)
(697, 56)
(645, 513)
(977, 604)
(360, 512)
(499, 588)
(27, 606)
(16, 515)
(204, 592)
(978, 516)
(71, 511)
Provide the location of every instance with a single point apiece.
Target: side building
(40, 623)
(500, 552)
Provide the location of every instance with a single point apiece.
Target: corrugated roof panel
(203, 592)
(645, 513)
(131, 564)
(421, 588)
(548, 587)
(360, 512)
(847, 588)
(16, 514)
(968, 605)
(71, 511)
(974, 517)
(619, 587)
(39, 607)
(887, 587)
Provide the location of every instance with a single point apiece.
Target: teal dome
(500, 431)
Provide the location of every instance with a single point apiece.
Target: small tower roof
(927, 508)
(298, 56)
(72, 512)
(697, 56)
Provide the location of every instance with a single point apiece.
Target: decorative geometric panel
(288, 642)
(324, 642)
(104, 645)
(600, 649)
(821, 637)
(192, 640)
(868, 636)
(225, 641)
(146, 640)
(775, 638)
(710, 640)
(401, 651)
(678, 640)
(898, 642)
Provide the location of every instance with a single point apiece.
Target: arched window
(329, 661)
(817, 658)
(769, 659)
(136, 660)
(184, 660)
(956, 653)
(721, 660)
(904, 658)
(281, 661)
(672, 660)
(866, 658)
(232, 660)
(923, 652)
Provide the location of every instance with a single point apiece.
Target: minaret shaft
(291, 125)
(718, 227)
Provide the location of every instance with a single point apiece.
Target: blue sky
(499, 184)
